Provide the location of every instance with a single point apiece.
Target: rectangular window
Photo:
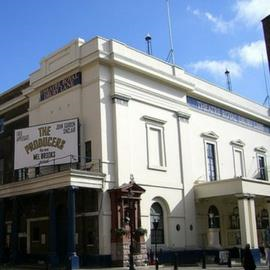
(211, 161)
(238, 162)
(155, 147)
(261, 168)
(88, 151)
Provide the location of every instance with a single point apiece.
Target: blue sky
(209, 36)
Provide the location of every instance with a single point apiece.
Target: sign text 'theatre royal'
(61, 86)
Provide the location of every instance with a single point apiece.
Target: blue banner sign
(225, 114)
(61, 86)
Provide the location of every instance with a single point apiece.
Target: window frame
(161, 226)
(259, 156)
(243, 165)
(156, 126)
(214, 143)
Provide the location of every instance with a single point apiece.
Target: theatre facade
(107, 151)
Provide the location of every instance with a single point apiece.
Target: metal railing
(262, 173)
(52, 166)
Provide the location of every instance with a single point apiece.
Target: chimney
(266, 30)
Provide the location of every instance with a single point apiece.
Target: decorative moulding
(154, 120)
(261, 149)
(210, 134)
(120, 97)
(238, 143)
(183, 115)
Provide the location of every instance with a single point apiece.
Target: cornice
(147, 96)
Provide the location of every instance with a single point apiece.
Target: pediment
(261, 149)
(127, 188)
(210, 134)
(238, 143)
(131, 186)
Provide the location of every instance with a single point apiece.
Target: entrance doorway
(213, 234)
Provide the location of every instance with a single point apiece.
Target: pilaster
(186, 170)
(122, 136)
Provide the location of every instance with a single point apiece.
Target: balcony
(85, 174)
(234, 186)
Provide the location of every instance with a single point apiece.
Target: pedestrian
(248, 260)
(267, 245)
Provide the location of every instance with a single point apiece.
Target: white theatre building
(103, 139)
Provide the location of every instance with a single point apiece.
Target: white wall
(227, 131)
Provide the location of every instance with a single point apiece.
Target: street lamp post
(155, 225)
(131, 214)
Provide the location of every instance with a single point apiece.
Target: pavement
(171, 267)
(209, 267)
(150, 267)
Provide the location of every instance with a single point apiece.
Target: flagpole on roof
(170, 57)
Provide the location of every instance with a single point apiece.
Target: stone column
(53, 257)
(2, 231)
(14, 232)
(247, 217)
(253, 224)
(73, 259)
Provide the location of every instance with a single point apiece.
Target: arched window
(213, 217)
(156, 215)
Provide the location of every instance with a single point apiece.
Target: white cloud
(251, 12)
(250, 54)
(217, 68)
(219, 25)
(247, 12)
(196, 12)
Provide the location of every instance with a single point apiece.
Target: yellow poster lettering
(44, 142)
